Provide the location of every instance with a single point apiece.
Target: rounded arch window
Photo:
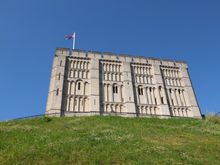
(79, 85)
(140, 90)
(115, 88)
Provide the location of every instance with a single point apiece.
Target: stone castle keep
(92, 83)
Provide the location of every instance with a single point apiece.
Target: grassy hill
(109, 140)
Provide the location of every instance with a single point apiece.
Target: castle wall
(89, 83)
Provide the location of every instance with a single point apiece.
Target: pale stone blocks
(88, 83)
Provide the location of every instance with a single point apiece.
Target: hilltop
(109, 140)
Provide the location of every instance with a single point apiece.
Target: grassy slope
(109, 140)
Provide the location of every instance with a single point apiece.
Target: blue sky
(30, 30)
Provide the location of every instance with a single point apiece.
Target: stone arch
(69, 88)
(80, 108)
(71, 64)
(144, 70)
(69, 104)
(78, 65)
(72, 87)
(87, 104)
(76, 100)
(79, 87)
(112, 76)
(110, 67)
(75, 74)
(113, 67)
(84, 65)
(81, 65)
(86, 88)
(146, 110)
(182, 110)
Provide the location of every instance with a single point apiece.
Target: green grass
(109, 140)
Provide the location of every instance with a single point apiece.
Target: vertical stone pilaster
(128, 85)
(95, 85)
(159, 81)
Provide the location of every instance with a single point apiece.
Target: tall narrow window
(60, 62)
(59, 77)
(162, 102)
(115, 89)
(140, 90)
(79, 85)
(57, 92)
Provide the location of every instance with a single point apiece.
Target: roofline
(125, 55)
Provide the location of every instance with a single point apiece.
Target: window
(172, 102)
(78, 85)
(59, 77)
(57, 92)
(60, 62)
(115, 89)
(162, 102)
(140, 90)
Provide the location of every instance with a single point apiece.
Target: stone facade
(90, 83)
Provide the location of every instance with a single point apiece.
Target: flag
(70, 36)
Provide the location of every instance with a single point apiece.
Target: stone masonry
(99, 83)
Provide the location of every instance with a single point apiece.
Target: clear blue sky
(30, 30)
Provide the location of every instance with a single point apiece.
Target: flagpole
(74, 41)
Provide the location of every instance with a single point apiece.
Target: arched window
(115, 88)
(140, 90)
(79, 85)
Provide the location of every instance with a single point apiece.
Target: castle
(99, 83)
